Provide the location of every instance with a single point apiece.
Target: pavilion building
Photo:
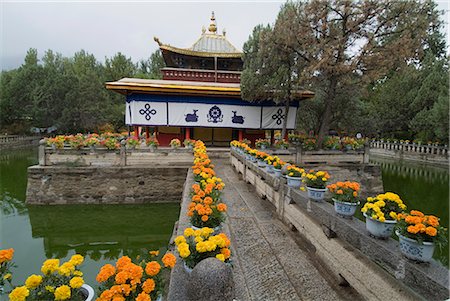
(199, 96)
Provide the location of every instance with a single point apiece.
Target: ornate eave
(186, 51)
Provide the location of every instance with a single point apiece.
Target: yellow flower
(33, 281)
(66, 269)
(382, 219)
(221, 257)
(49, 266)
(76, 260)
(154, 253)
(78, 273)
(62, 292)
(76, 282)
(393, 215)
(7, 276)
(180, 239)
(302, 188)
(188, 232)
(324, 179)
(20, 293)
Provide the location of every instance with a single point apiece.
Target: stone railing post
(298, 155)
(41, 154)
(211, 280)
(123, 153)
(366, 154)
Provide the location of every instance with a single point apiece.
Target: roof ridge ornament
(212, 27)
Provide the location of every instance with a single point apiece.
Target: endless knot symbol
(147, 112)
(279, 116)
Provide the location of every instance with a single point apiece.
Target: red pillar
(187, 133)
(241, 135)
(147, 132)
(272, 137)
(286, 137)
(136, 131)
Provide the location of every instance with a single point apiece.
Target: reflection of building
(199, 96)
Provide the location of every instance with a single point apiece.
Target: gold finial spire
(212, 27)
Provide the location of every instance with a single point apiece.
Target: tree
(343, 43)
(151, 68)
(119, 66)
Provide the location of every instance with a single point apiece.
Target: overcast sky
(105, 28)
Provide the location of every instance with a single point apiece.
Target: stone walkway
(268, 264)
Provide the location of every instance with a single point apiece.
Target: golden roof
(210, 44)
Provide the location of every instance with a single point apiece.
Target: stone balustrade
(374, 268)
(13, 141)
(411, 147)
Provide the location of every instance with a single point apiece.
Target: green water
(424, 188)
(100, 232)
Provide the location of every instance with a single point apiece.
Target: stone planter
(316, 194)
(379, 229)
(294, 182)
(270, 168)
(277, 172)
(262, 164)
(412, 249)
(345, 209)
(88, 291)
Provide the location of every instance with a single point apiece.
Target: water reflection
(102, 231)
(425, 188)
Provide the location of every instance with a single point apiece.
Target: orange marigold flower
(122, 262)
(106, 271)
(339, 191)
(6, 255)
(412, 229)
(169, 260)
(122, 277)
(417, 213)
(152, 268)
(410, 219)
(208, 200)
(221, 207)
(205, 218)
(226, 252)
(355, 194)
(143, 297)
(148, 286)
(433, 221)
(431, 231)
(118, 298)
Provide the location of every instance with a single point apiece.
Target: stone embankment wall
(430, 154)
(104, 185)
(374, 268)
(15, 141)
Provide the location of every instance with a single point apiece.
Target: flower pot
(294, 182)
(174, 147)
(88, 291)
(316, 194)
(189, 146)
(269, 168)
(263, 146)
(412, 249)
(186, 268)
(379, 229)
(345, 209)
(277, 172)
(262, 163)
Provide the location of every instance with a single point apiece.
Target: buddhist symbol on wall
(192, 117)
(236, 118)
(278, 116)
(147, 112)
(215, 115)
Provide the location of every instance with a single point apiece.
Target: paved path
(270, 264)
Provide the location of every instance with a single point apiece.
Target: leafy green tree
(151, 68)
(119, 66)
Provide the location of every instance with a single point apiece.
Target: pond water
(100, 232)
(425, 188)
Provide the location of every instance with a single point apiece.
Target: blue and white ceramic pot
(316, 194)
(412, 249)
(294, 182)
(345, 208)
(379, 229)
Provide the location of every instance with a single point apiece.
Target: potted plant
(281, 144)
(316, 183)
(6, 264)
(139, 280)
(152, 142)
(260, 156)
(349, 143)
(419, 234)
(110, 143)
(196, 245)
(277, 166)
(332, 142)
(345, 196)
(56, 143)
(381, 214)
(132, 142)
(205, 213)
(175, 143)
(294, 176)
(269, 163)
(189, 143)
(262, 143)
(309, 144)
(92, 141)
(57, 282)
